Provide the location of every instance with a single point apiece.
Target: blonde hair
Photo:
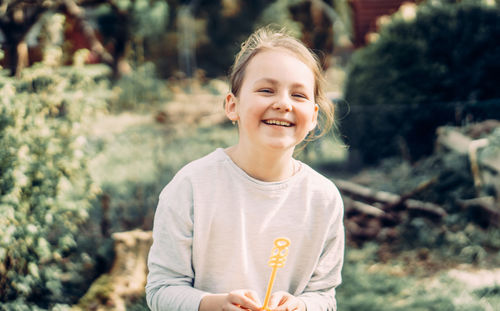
(270, 38)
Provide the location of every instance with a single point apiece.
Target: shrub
(426, 70)
(44, 184)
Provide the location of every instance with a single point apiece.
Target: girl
(217, 219)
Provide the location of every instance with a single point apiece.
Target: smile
(277, 122)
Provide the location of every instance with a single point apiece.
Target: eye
(265, 90)
(299, 95)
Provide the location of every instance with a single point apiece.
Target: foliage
(45, 187)
(143, 19)
(426, 68)
(226, 32)
(149, 17)
(278, 13)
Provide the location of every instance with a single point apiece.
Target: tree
(131, 21)
(127, 24)
(16, 20)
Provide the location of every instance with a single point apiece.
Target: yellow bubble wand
(277, 260)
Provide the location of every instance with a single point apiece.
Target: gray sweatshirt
(214, 229)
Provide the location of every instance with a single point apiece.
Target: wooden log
(389, 200)
(474, 165)
(362, 207)
(425, 208)
(421, 187)
(451, 139)
(481, 129)
(356, 190)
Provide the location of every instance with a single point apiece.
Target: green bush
(45, 188)
(424, 70)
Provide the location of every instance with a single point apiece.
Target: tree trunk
(15, 23)
(22, 58)
(126, 281)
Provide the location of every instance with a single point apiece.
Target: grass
(372, 286)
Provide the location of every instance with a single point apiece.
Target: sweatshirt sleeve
(319, 295)
(170, 277)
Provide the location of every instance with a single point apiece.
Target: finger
(289, 303)
(286, 307)
(239, 298)
(253, 296)
(237, 307)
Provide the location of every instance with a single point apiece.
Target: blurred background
(103, 101)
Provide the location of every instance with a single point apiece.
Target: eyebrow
(274, 82)
(267, 80)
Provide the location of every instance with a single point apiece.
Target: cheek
(249, 119)
(253, 111)
(305, 115)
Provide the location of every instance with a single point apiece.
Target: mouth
(278, 123)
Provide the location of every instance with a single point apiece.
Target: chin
(284, 146)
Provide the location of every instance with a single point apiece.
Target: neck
(265, 165)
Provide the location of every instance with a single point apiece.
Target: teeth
(276, 122)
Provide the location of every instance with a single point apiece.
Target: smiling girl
(216, 220)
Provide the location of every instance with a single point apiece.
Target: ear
(314, 117)
(230, 107)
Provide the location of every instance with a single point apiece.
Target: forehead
(280, 65)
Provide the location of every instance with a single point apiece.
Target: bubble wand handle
(277, 260)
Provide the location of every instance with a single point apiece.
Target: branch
(421, 187)
(389, 200)
(426, 208)
(335, 19)
(366, 193)
(363, 207)
(74, 10)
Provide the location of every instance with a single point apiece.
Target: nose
(282, 104)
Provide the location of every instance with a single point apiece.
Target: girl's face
(275, 107)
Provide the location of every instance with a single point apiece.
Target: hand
(242, 299)
(283, 301)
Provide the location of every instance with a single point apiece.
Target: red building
(365, 14)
